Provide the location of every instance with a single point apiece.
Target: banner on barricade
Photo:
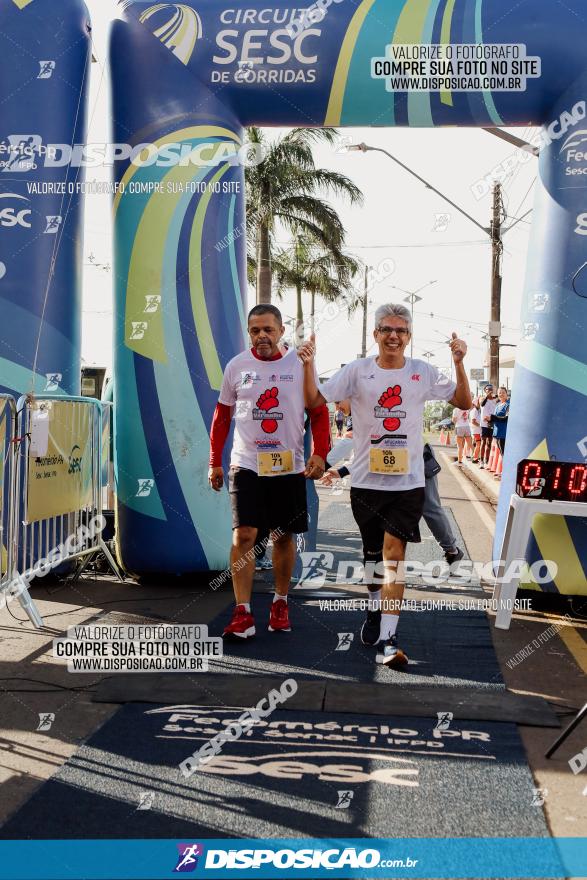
(60, 480)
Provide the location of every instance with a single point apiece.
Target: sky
(402, 225)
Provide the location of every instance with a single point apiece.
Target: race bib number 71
(273, 464)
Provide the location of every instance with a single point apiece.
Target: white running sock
(277, 597)
(389, 624)
(246, 606)
(374, 600)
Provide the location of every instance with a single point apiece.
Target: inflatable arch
(44, 71)
(187, 78)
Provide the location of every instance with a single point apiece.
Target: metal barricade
(107, 456)
(56, 524)
(8, 521)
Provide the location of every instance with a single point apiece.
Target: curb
(488, 485)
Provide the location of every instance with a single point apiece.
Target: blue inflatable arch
(187, 78)
(44, 72)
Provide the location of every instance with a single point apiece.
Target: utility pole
(496, 257)
(365, 304)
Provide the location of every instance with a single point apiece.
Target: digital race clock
(552, 480)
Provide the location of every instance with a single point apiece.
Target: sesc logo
(75, 461)
(180, 32)
(14, 215)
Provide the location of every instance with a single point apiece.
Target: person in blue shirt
(500, 418)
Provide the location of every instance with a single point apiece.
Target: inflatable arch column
(194, 74)
(549, 399)
(44, 72)
(180, 291)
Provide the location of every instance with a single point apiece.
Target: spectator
(460, 419)
(500, 418)
(475, 422)
(487, 405)
(338, 420)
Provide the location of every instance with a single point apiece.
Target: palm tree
(285, 188)
(311, 267)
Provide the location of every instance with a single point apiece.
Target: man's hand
(216, 478)
(458, 348)
(307, 350)
(315, 467)
(329, 476)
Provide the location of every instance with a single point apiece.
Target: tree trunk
(264, 266)
(299, 336)
(312, 312)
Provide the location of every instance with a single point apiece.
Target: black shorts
(377, 512)
(268, 502)
(487, 432)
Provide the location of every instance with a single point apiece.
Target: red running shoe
(242, 625)
(279, 617)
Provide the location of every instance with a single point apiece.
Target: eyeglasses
(387, 331)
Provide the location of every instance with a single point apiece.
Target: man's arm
(320, 426)
(307, 353)
(218, 434)
(462, 397)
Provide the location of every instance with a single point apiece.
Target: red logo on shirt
(389, 400)
(268, 401)
(416, 377)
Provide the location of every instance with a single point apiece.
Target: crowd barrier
(56, 472)
(61, 480)
(8, 527)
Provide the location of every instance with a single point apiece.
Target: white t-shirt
(460, 417)
(387, 408)
(475, 413)
(487, 410)
(268, 397)
(341, 450)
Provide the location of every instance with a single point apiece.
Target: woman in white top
(475, 422)
(460, 418)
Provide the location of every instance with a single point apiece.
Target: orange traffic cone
(448, 441)
(442, 440)
(493, 457)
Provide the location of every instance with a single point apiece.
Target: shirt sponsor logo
(389, 400)
(248, 378)
(265, 412)
(268, 444)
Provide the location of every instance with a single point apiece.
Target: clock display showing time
(552, 480)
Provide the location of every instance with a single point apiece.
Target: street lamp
(365, 148)
(494, 231)
(428, 355)
(413, 298)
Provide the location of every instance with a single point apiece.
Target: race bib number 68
(388, 461)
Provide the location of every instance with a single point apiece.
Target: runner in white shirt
(263, 389)
(387, 395)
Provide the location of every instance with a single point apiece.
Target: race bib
(389, 461)
(275, 464)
